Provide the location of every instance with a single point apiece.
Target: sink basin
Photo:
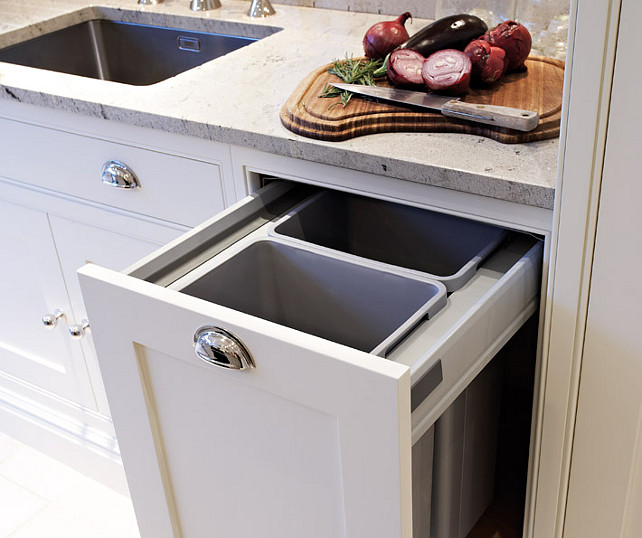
(122, 52)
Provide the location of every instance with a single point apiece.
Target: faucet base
(204, 5)
(261, 8)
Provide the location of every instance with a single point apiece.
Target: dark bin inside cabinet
(445, 247)
(346, 302)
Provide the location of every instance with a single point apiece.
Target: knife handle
(501, 116)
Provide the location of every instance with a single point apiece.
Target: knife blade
(500, 116)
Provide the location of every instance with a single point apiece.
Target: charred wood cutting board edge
(539, 88)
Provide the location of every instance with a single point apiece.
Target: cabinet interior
(517, 362)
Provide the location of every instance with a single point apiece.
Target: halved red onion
(447, 71)
(404, 67)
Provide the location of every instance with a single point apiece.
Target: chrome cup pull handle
(119, 175)
(217, 346)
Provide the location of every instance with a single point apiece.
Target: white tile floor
(41, 498)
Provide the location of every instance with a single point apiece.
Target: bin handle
(220, 347)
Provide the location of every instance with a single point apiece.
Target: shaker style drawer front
(177, 189)
(289, 352)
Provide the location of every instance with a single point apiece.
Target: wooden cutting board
(539, 88)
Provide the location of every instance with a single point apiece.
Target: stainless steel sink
(122, 52)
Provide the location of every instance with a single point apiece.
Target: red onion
(447, 71)
(384, 37)
(489, 62)
(515, 39)
(404, 67)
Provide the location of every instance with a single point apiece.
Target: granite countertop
(237, 98)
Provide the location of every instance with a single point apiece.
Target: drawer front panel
(177, 189)
(285, 449)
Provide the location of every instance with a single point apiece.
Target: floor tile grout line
(22, 486)
(19, 446)
(50, 504)
(28, 520)
(13, 481)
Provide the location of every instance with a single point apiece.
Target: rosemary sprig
(351, 71)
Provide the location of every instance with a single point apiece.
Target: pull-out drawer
(263, 383)
(153, 183)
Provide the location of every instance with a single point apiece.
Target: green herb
(351, 71)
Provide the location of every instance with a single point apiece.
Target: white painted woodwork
(51, 393)
(180, 190)
(32, 285)
(58, 216)
(250, 164)
(605, 490)
(313, 442)
(111, 240)
(592, 40)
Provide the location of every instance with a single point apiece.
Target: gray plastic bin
(465, 450)
(363, 307)
(445, 247)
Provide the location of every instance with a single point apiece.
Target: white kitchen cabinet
(58, 215)
(605, 487)
(72, 163)
(32, 285)
(108, 239)
(316, 440)
(48, 238)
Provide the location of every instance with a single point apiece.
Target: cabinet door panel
(605, 484)
(31, 285)
(238, 446)
(266, 459)
(111, 240)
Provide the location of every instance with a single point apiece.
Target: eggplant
(452, 32)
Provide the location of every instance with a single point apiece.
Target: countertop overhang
(237, 98)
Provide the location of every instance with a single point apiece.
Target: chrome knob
(119, 175)
(217, 346)
(204, 5)
(78, 331)
(261, 9)
(51, 320)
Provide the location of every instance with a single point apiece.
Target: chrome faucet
(261, 8)
(204, 5)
